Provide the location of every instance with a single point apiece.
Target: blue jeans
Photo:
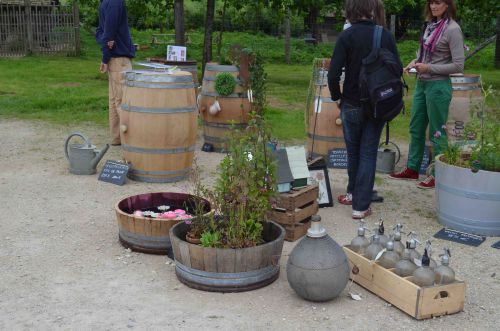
(362, 136)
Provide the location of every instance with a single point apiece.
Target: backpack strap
(377, 37)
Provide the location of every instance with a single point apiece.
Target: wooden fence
(38, 27)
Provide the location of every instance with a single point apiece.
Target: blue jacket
(113, 25)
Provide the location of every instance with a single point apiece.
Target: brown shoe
(405, 174)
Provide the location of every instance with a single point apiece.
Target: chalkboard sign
(460, 237)
(337, 158)
(496, 245)
(114, 172)
(426, 160)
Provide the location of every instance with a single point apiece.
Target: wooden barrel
(227, 269)
(158, 125)
(234, 107)
(466, 97)
(189, 66)
(323, 122)
(150, 235)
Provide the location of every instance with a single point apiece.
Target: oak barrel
(234, 107)
(227, 269)
(158, 125)
(466, 100)
(323, 121)
(150, 235)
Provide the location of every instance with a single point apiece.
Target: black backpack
(380, 82)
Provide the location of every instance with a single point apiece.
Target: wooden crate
(418, 302)
(297, 230)
(297, 197)
(293, 211)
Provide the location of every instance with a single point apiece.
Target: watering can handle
(398, 152)
(69, 137)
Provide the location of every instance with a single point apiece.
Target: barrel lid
(158, 76)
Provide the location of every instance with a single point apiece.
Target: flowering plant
(480, 148)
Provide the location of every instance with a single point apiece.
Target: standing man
(113, 35)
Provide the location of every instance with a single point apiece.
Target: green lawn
(71, 90)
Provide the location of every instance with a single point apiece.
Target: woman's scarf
(432, 35)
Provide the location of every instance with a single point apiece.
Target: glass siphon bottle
(424, 276)
(444, 274)
(389, 258)
(360, 242)
(405, 267)
(398, 245)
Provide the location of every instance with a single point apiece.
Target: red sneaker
(405, 174)
(427, 183)
(345, 199)
(361, 214)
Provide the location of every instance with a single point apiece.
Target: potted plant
(238, 249)
(468, 176)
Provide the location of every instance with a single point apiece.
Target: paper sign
(176, 53)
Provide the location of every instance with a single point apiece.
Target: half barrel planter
(150, 235)
(468, 201)
(227, 269)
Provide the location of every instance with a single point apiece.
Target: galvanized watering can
(387, 158)
(83, 158)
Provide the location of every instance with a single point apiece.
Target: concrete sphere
(318, 269)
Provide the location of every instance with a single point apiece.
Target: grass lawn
(71, 90)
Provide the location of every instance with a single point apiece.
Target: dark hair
(451, 11)
(379, 13)
(355, 10)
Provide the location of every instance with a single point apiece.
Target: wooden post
(287, 35)
(393, 25)
(76, 26)
(29, 32)
(497, 45)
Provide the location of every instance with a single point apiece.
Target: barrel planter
(323, 121)
(234, 107)
(468, 201)
(466, 97)
(189, 66)
(150, 235)
(158, 125)
(227, 269)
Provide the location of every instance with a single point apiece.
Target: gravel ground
(62, 267)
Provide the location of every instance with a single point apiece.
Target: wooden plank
(175, 249)
(296, 231)
(210, 259)
(291, 217)
(225, 259)
(253, 257)
(441, 300)
(196, 254)
(184, 252)
(266, 253)
(240, 264)
(297, 198)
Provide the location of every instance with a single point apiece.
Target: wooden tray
(286, 217)
(418, 302)
(297, 230)
(297, 198)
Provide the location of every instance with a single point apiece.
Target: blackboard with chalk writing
(460, 237)
(337, 158)
(114, 172)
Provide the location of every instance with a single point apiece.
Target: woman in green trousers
(441, 53)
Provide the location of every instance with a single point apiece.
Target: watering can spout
(99, 155)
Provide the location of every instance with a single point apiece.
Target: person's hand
(410, 65)
(103, 68)
(422, 68)
(110, 44)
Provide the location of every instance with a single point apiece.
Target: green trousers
(431, 102)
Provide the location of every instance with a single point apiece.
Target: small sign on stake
(114, 172)
(337, 158)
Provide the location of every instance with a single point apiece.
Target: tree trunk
(209, 25)
(287, 35)
(497, 45)
(179, 23)
(219, 40)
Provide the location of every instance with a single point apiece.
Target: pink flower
(437, 134)
(443, 126)
(188, 221)
(180, 211)
(169, 215)
(138, 213)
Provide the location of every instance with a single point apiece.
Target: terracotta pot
(193, 240)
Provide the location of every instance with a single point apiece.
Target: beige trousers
(116, 68)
